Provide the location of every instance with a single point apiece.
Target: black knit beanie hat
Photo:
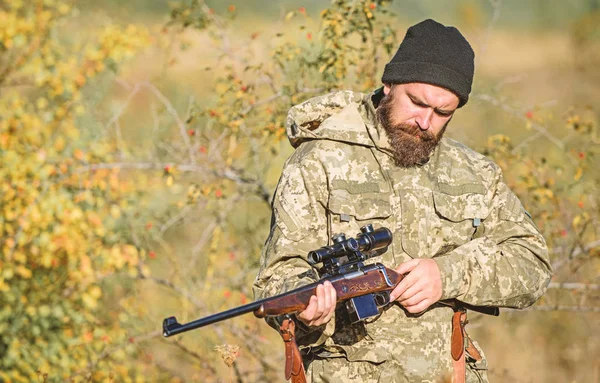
(434, 54)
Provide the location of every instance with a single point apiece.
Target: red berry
(152, 254)
(529, 114)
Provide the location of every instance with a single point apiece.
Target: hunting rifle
(363, 289)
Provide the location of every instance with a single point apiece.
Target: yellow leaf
(44, 310)
(59, 144)
(23, 272)
(4, 288)
(578, 174)
(8, 273)
(115, 212)
(289, 16)
(42, 103)
(95, 292)
(89, 301)
(30, 310)
(47, 260)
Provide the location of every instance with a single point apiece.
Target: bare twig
(581, 250)
(227, 173)
(516, 113)
(496, 7)
(108, 351)
(176, 218)
(173, 112)
(120, 112)
(201, 244)
(263, 102)
(176, 289)
(195, 355)
(573, 286)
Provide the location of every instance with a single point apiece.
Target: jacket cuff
(310, 337)
(452, 273)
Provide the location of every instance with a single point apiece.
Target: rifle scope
(367, 240)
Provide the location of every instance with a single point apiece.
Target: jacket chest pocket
(348, 212)
(459, 218)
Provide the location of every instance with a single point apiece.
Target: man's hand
(421, 287)
(321, 307)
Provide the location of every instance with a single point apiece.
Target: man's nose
(424, 118)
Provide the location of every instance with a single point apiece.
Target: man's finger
(409, 293)
(326, 299)
(403, 286)
(419, 307)
(414, 299)
(333, 296)
(307, 314)
(328, 317)
(408, 266)
(320, 302)
(330, 294)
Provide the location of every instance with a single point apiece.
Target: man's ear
(386, 89)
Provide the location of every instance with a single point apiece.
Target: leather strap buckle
(294, 368)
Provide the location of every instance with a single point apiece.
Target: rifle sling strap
(457, 346)
(294, 369)
(460, 342)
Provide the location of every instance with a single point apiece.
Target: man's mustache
(414, 131)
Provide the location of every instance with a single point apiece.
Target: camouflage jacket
(455, 209)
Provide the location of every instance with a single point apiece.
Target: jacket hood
(338, 116)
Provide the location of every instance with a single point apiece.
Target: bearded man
(458, 231)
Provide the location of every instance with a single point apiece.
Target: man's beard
(411, 146)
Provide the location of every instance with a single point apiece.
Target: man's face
(415, 116)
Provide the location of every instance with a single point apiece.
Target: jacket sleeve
(298, 225)
(507, 266)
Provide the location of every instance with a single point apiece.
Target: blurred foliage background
(140, 143)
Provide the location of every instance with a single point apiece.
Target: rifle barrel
(172, 327)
